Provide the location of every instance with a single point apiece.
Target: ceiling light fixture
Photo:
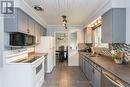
(64, 21)
(38, 8)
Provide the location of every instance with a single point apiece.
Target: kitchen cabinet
(91, 71)
(88, 35)
(97, 77)
(23, 23)
(81, 63)
(31, 26)
(17, 22)
(90, 75)
(88, 70)
(37, 33)
(114, 26)
(43, 31)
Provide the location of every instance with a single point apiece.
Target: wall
(80, 33)
(0, 77)
(128, 22)
(1, 47)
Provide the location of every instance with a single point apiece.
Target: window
(97, 35)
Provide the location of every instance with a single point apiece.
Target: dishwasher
(109, 80)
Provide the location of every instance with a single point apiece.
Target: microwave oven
(21, 39)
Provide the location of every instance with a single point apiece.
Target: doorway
(61, 47)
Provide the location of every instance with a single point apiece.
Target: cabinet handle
(37, 40)
(27, 30)
(93, 70)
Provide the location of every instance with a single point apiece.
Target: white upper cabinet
(22, 21)
(31, 26)
(37, 33)
(114, 26)
(88, 35)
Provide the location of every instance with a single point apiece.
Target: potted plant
(118, 56)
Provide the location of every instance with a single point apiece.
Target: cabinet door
(22, 21)
(37, 32)
(97, 78)
(41, 31)
(44, 31)
(80, 62)
(119, 25)
(89, 73)
(86, 69)
(107, 27)
(31, 24)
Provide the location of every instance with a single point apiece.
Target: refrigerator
(46, 45)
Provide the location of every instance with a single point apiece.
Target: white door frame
(55, 41)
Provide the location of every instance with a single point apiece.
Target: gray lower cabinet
(91, 71)
(114, 26)
(87, 69)
(95, 75)
(96, 78)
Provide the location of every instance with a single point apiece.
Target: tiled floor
(64, 76)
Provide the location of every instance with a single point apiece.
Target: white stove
(24, 71)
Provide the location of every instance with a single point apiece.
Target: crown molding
(100, 11)
(61, 26)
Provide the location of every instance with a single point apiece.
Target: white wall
(80, 33)
(1, 47)
(1, 76)
(128, 22)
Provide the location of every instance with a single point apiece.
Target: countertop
(31, 56)
(40, 54)
(121, 71)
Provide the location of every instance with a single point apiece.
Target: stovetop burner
(28, 59)
(32, 59)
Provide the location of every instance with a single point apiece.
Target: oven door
(38, 71)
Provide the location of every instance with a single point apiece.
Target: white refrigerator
(47, 46)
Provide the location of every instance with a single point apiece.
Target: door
(73, 56)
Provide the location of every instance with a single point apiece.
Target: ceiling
(77, 11)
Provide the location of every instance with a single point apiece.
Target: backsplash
(114, 46)
(122, 47)
(102, 50)
(84, 46)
